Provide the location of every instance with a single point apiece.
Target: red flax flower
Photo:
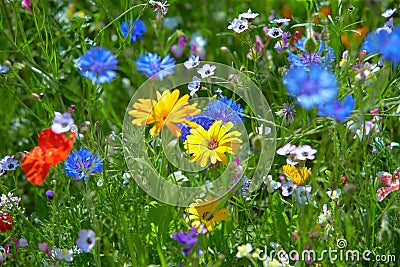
(51, 150)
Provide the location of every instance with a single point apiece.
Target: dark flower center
(89, 241)
(97, 67)
(206, 214)
(212, 144)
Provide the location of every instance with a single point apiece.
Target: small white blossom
(207, 71)
(194, 85)
(244, 251)
(192, 62)
(274, 33)
(239, 25)
(389, 12)
(271, 184)
(334, 194)
(249, 15)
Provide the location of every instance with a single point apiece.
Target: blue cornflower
(224, 109)
(81, 164)
(304, 59)
(186, 239)
(98, 65)
(201, 120)
(384, 40)
(135, 28)
(312, 87)
(335, 109)
(152, 64)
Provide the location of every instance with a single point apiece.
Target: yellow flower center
(212, 144)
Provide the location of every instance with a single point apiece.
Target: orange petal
(34, 166)
(55, 146)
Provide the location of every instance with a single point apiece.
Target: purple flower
(50, 194)
(187, 239)
(153, 65)
(27, 5)
(62, 123)
(198, 45)
(336, 109)
(302, 58)
(280, 46)
(8, 163)
(244, 189)
(312, 87)
(134, 28)
(177, 49)
(98, 65)
(86, 240)
(287, 113)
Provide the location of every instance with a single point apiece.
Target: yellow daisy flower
(167, 111)
(205, 212)
(212, 144)
(298, 175)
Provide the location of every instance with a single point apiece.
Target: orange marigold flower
(206, 212)
(167, 111)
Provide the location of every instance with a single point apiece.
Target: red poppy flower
(55, 146)
(52, 149)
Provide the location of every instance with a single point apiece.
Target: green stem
(161, 255)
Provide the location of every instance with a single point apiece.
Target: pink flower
(27, 5)
(178, 48)
(294, 234)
